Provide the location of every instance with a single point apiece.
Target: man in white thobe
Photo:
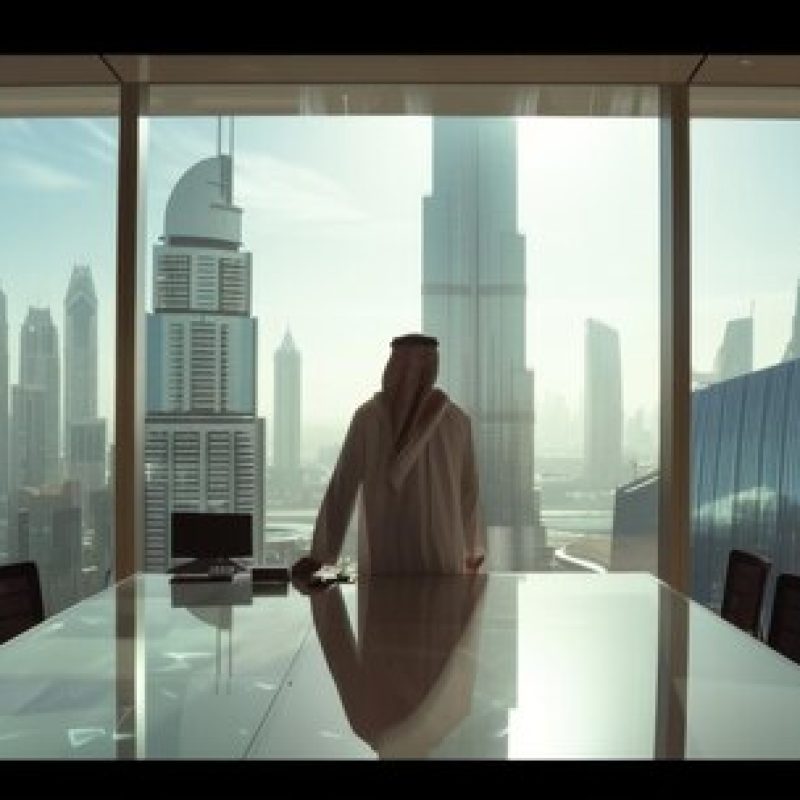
(409, 450)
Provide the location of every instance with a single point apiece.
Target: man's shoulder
(369, 408)
(457, 414)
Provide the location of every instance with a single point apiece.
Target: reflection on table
(503, 666)
(213, 602)
(408, 678)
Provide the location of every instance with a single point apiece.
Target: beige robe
(418, 509)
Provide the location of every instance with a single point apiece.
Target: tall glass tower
(80, 351)
(602, 437)
(473, 301)
(84, 433)
(288, 408)
(39, 373)
(204, 446)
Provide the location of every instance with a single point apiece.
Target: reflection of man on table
(408, 680)
(409, 449)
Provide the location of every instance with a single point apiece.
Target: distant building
(557, 434)
(87, 455)
(641, 449)
(473, 301)
(204, 444)
(288, 388)
(99, 525)
(602, 438)
(735, 354)
(28, 428)
(80, 353)
(793, 346)
(49, 533)
(39, 369)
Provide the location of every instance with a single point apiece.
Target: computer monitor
(211, 537)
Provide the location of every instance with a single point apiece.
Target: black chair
(20, 599)
(743, 595)
(784, 627)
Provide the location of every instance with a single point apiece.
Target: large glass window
(745, 342)
(58, 201)
(589, 208)
(284, 254)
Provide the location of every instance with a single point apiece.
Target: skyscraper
(80, 352)
(793, 346)
(204, 445)
(87, 455)
(28, 425)
(602, 442)
(287, 413)
(39, 370)
(84, 433)
(473, 301)
(735, 354)
(49, 527)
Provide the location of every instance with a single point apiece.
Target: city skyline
(304, 173)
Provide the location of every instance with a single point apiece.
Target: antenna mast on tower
(230, 148)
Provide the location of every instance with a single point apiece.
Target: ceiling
(709, 70)
(470, 84)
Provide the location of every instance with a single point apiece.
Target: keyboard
(200, 578)
(222, 570)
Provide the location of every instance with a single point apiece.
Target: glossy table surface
(532, 665)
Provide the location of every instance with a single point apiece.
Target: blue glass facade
(745, 475)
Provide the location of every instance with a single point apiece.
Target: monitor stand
(207, 566)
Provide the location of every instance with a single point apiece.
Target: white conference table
(504, 666)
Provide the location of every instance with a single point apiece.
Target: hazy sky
(332, 215)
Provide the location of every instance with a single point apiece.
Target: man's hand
(301, 573)
(474, 563)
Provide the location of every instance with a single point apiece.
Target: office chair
(784, 626)
(21, 604)
(743, 594)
